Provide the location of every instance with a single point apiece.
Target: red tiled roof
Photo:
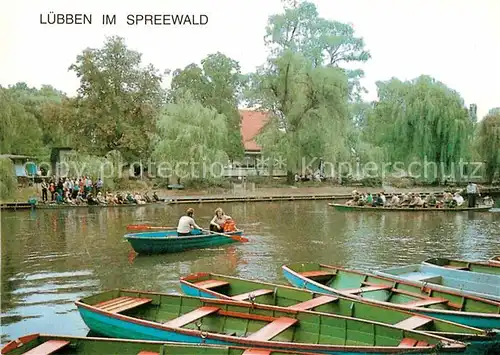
(251, 124)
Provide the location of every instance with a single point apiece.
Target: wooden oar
(144, 227)
(234, 237)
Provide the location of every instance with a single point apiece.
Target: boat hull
(288, 297)
(93, 345)
(147, 327)
(476, 320)
(341, 207)
(445, 279)
(168, 242)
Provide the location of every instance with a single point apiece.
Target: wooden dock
(193, 200)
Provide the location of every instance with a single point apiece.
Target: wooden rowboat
(448, 277)
(476, 267)
(167, 241)
(157, 316)
(452, 306)
(341, 207)
(211, 285)
(38, 344)
(495, 261)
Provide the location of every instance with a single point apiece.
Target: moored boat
(211, 285)
(167, 241)
(476, 267)
(342, 207)
(37, 344)
(157, 316)
(452, 306)
(447, 279)
(495, 261)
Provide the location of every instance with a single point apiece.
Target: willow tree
(421, 119)
(8, 181)
(190, 140)
(488, 143)
(217, 83)
(308, 106)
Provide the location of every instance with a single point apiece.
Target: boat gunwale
(396, 305)
(480, 333)
(494, 261)
(447, 344)
(34, 336)
(183, 237)
(406, 209)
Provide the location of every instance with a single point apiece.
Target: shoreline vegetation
(308, 91)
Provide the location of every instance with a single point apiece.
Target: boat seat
(367, 289)
(317, 273)
(312, 303)
(256, 293)
(413, 322)
(48, 347)
(456, 267)
(120, 304)
(211, 283)
(257, 352)
(272, 329)
(191, 317)
(408, 343)
(145, 352)
(426, 302)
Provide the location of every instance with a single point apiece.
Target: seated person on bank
(187, 223)
(217, 223)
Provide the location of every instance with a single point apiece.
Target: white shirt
(459, 199)
(472, 189)
(185, 224)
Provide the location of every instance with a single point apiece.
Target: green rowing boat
(341, 207)
(452, 306)
(38, 344)
(164, 317)
(211, 285)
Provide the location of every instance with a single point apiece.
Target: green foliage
(420, 119)
(19, 129)
(309, 106)
(300, 29)
(8, 181)
(190, 139)
(216, 84)
(488, 143)
(118, 100)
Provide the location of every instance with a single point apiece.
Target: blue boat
(167, 241)
(447, 279)
(158, 316)
(451, 306)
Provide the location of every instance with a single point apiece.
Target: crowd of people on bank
(416, 200)
(85, 191)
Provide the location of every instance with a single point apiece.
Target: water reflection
(50, 258)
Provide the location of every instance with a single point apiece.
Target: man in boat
(187, 223)
(472, 193)
(217, 223)
(405, 200)
(377, 201)
(430, 201)
(488, 201)
(394, 201)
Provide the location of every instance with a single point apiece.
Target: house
(23, 165)
(251, 124)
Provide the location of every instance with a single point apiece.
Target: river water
(50, 258)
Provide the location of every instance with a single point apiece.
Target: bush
(8, 180)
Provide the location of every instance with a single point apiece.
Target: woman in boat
(458, 199)
(217, 223)
(488, 201)
(186, 223)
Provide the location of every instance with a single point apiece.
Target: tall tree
(488, 143)
(420, 119)
(218, 84)
(190, 139)
(324, 42)
(118, 100)
(19, 129)
(309, 110)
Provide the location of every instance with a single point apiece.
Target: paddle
(234, 237)
(144, 227)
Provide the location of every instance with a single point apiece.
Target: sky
(455, 41)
